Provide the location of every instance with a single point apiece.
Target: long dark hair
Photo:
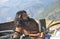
(26, 24)
(19, 17)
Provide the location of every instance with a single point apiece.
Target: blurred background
(37, 9)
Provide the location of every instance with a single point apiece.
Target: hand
(41, 35)
(35, 35)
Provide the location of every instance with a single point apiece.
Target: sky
(9, 8)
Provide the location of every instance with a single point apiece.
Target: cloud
(3, 1)
(40, 11)
(3, 11)
(15, 5)
(57, 10)
(9, 19)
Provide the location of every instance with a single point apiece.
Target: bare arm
(34, 34)
(41, 35)
(18, 29)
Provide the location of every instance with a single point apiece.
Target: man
(27, 26)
